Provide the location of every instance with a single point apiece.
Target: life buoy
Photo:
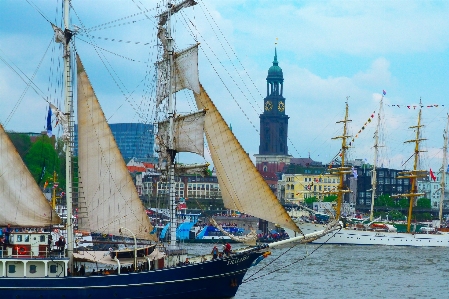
(21, 250)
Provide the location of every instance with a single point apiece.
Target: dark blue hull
(212, 279)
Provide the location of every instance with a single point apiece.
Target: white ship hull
(361, 237)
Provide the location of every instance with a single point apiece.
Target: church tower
(273, 149)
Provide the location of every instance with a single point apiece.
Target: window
(53, 268)
(33, 268)
(11, 268)
(42, 238)
(19, 238)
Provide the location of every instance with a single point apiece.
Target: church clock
(268, 105)
(281, 106)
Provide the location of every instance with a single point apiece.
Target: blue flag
(49, 128)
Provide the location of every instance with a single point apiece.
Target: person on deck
(7, 232)
(214, 252)
(227, 249)
(82, 270)
(61, 243)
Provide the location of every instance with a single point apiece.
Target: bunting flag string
(417, 106)
(363, 127)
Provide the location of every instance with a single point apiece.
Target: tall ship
(375, 232)
(108, 203)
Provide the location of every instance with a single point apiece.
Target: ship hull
(211, 279)
(361, 237)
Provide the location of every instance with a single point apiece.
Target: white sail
(23, 203)
(184, 74)
(242, 186)
(108, 199)
(188, 133)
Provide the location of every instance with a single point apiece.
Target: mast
(415, 173)
(171, 150)
(342, 170)
(376, 149)
(443, 171)
(68, 110)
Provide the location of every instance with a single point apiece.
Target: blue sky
(328, 50)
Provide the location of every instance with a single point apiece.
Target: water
(345, 271)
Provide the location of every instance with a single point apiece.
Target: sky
(330, 52)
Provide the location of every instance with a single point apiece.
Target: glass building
(135, 140)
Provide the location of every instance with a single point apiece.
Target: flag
(354, 172)
(49, 128)
(432, 176)
(384, 92)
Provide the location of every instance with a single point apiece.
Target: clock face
(268, 105)
(281, 106)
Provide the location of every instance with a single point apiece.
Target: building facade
(134, 140)
(273, 154)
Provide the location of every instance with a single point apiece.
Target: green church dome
(275, 71)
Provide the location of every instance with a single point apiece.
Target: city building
(135, 140)
(273, 150)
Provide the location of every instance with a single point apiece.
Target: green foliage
(22, 143)
(384, 200)
(404, 203)
(422, 216)
(330, 198)
(423, 203)
(209, 172)
(310, 200)
(396, 216)
(42, 153)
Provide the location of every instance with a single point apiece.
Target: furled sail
(108, 199)
(242, 186)
(175, 8)
(22, 202)
(188, 133)
(184, 73)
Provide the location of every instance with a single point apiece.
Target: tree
(395, 216)
(384, 200)
(310, 200)
(42, 160)
(423, 203)
(330, 198)
(22, 143)
(404, 202)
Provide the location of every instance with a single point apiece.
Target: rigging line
(99, 27)
(115, 40)
(289, 265)
(29, 81)
(110, 52)
(235, 55)
(117, 80)
(39, 11)
(235, 68)
(224, 84)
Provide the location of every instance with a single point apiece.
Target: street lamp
(135, 245)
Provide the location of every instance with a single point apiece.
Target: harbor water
(346, 271)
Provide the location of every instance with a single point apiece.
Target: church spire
(275, 61)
